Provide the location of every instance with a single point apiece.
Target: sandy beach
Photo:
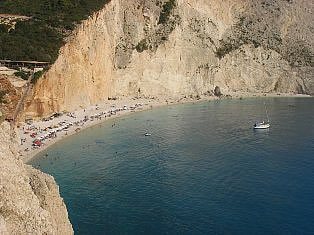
(36, 136)
(49, 131)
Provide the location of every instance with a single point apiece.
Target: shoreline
(27, 157)
(147, 104)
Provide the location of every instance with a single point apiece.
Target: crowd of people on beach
(39, 135)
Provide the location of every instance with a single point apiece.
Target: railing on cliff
(24, 64)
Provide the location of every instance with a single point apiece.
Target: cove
(204, 170)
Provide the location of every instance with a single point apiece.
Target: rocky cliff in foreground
(29, 199)
(181, 47)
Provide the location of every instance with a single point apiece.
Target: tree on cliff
(40, 37)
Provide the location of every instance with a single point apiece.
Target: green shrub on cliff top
(141, 46)
(37, 75)
(22, 74)
(41, 37)
(2, 94)
(166, 11)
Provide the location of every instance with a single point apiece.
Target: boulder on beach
(217, 91)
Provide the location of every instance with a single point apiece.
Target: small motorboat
(148, 134)
(261, 125)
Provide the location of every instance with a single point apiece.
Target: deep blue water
(204, 170)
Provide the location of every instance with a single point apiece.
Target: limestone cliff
(29, 199)
(181, 47)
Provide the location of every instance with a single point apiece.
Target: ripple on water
(203, 170)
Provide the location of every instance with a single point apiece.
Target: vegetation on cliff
(259, 27)
(25, 75)
(40, 37)
(168, 19)
(166, 11)
(2, 94)
(142, 46)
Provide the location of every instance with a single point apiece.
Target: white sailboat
(263, 124)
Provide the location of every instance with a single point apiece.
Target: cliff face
(29, 199)
(177, 48)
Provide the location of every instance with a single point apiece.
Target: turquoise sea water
(204, 170)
